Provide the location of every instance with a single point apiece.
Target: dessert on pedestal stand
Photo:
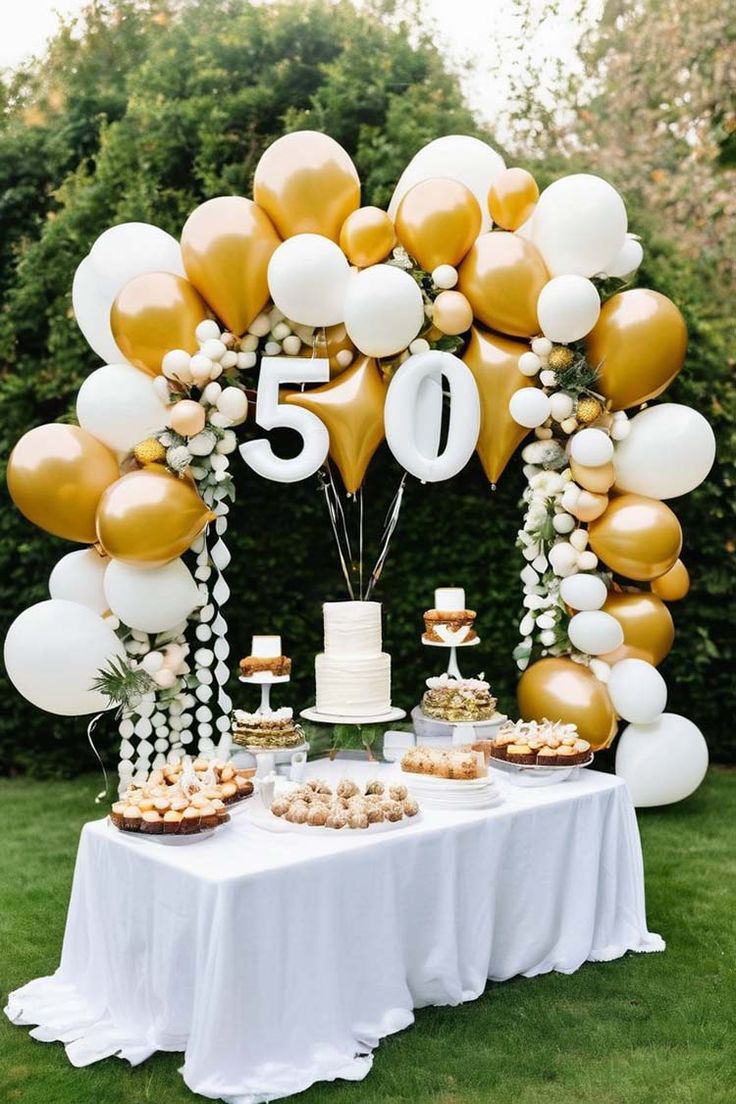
(269, 737)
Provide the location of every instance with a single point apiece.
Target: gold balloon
(561, 690)
(367, 236)
(494, 362)
(502, 277)
(638, 537)
(187, 417)
(150, 517)
(226, 245)
(351, 406)
(154, 313)
(599, 480)
(56, 477)
(328, 341)
(649, 630)
(452, 313)
(307, 184)
(589, 506)
(674, 584)
(639, 343)
(512, 198)
(437, 222)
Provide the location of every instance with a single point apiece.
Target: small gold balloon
(589, 506)
(588, 410)
(560, 358)
(674, 584)
(150, 517)
(56, 477)
(502, 277)
(639, 341)
(149, 451)
(437, 222)
(452, 313)
(512, 198)
(154, 313)
(367, 236)
(649, 630)
(307, 184)
(561, 690)
(640, 538)
(599, 480)
(187, 418)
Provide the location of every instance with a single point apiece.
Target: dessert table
(274, 961)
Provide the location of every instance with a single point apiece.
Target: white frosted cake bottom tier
(353, 686)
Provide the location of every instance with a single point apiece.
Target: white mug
(266, 763)
(298, 769)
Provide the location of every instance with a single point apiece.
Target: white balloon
(404, 411)
(583, 592)
(459, 157)
(662, 762)
(529, 406)
(591, 448)
(568, 308)
(595, 632)
(308, 276)
(233, 403)
(120, 406)
(627, 260)
(130, 249)
(579, 225)
(668, 452)
(77, 577)
(151, 599)
(383, 310)
(53, 652)
(638, 691)
(92, 313)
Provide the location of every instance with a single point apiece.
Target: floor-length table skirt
(274, 961)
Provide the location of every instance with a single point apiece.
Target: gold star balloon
(351, 406)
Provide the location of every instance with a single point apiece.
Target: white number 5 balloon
(413, 415)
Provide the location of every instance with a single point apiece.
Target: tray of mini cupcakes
(540, 751)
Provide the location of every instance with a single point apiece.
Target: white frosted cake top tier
(449, 599)
(352, 628)
(266, 647)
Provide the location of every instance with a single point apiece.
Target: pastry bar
(457, 763)
(452, 699)
(348, 806)
(273, 730)
(541, 743)
(265, 657)
(449, 622)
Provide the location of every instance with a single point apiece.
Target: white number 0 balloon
(413, 415)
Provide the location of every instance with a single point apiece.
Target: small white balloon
(233, 403)
(208, 330)
(151, 599)
(152, 663)
(627, 260)
(384, 310)
(164, 678)
(444, 276)
(638, 691)
(595, 632)
(529, 407)
(78, 577)
(560, 406)
(542, 346)
(568, 308)
(308, 277)
(213, 348)
(176, 365)
(583, 592)
(120, 406)
(662, 762)
(563, 558)
(591, 448)
(529, 364)
(668, 452)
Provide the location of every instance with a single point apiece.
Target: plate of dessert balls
(183, 802)
(316, 808)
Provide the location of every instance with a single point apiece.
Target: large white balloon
(120, 406)
(583, 591)
(595, 632)
(638, 691)
(668, 452)
(308, 276)
(568, 308)
(130, 249)
(78, 577)
(53, 652)
(383, 310)
(151, 599)
(579, 225)
(92, 312)
(459, 157)
(662, 762)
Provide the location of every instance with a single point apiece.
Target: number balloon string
(392, 519)
(360, 540)
(327, 485)
(90, 729)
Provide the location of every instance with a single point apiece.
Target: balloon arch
(472, 293)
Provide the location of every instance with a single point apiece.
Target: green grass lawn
(647, 1028)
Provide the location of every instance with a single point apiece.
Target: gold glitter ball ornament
(588, 410)
(149, 451)
(560, 358)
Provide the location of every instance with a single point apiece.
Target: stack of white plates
(451, 793)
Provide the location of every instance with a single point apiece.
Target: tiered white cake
(353, 675)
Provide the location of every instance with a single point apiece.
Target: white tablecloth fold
(276, 961)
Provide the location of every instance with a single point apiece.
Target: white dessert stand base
(312, 714)
(462, 732)
(452, 668)
(267, 759)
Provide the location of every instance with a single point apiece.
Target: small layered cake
(267, 731)
(449, 622)
(265, 657)
(540, 743)
(456, 763)
(454, 700)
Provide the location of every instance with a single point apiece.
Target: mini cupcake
(227, 773)
(172, 822)
(229, 792)
(221, 810)
(152, 822)
(208, 817)
(116, 813)
(161, 805)
(190, 819)
(245, 787)
(547, 757)
(132, 817)
(565, 756)
(521, 754)
(581, 748)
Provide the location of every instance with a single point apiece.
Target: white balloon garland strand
(212, 632)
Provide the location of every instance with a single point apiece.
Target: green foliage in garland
(159, 106)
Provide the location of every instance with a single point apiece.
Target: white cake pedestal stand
(313, 714)
(452, 668)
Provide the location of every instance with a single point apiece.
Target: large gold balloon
(638, 537)
(56, 477)
(367, 236)
(351, 406)
(226, 245)
(154, 313)
(639, 344)
(502, 277)
(649, 630)
(150, 517)
(561, 690)
(437, 222)
(598, 480)
(307, 184)
(494, 362)
(512, 198)
(674, 584)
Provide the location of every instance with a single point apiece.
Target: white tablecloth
(274, 961)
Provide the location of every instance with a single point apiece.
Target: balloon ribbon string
(360, 541)
(90, 729)
(392, 518)
(327, 485)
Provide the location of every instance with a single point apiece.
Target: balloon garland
(474, 293)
